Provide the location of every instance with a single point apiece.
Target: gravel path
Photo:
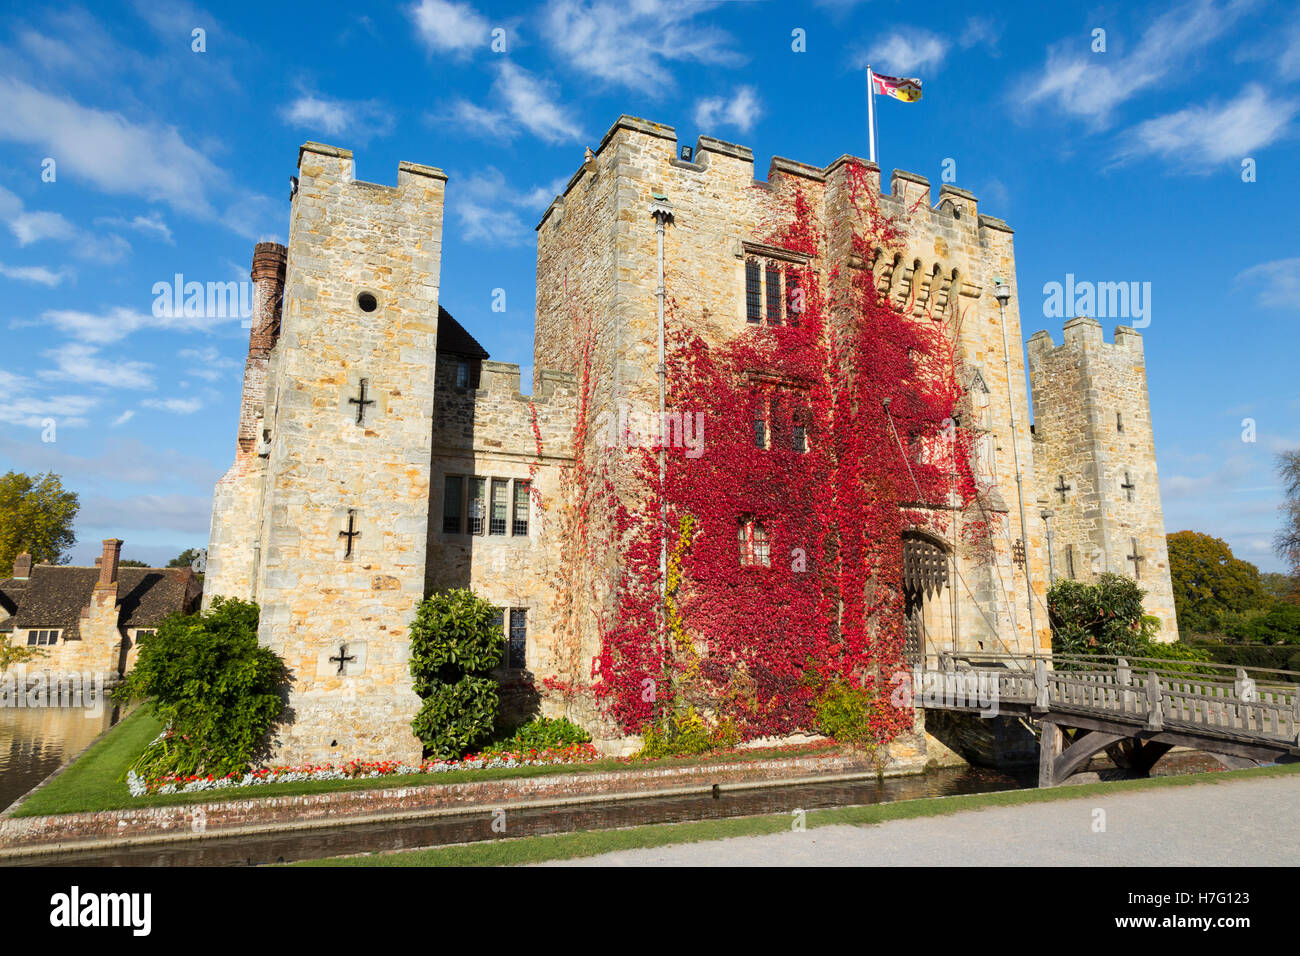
(1242, 822)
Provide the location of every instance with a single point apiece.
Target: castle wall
(326, 472)
(602, 231)
(1093, 422)
(231, 569)
(488, 432)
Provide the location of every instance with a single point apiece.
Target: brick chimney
(269, 263)
(23, 566)
(108, 564)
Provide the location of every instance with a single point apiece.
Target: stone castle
(381, 455)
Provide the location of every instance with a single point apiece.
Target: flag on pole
(905, 88)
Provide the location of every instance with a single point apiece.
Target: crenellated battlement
(1084, 333)
(909, 193)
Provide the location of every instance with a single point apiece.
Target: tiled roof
(56, 595)
(11, 593)
(454, 340)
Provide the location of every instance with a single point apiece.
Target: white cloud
(629, 44)
(446, 27)
(1203, 136)
(211, 364)
(532, 104)
(359, 120)
(1092, 85)
(741, 111)
(149, 225)
(527, 104)
(32, 411)
(980, 31)
(122, 419)
(82, 364)
(490, 210)
(29, 227)
(181, 406)
(481, 120)
(1276, 284)
(39, 274)
(115, 324)
(117, 156)
(906, 51)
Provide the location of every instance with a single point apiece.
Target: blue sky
(1122, 164)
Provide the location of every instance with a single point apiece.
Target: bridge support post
(1049, 748)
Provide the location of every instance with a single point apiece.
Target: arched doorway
(925, 572)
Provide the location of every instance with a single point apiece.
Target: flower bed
(358, 770)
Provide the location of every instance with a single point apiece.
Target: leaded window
(500, 492)
(520, 526)
(753, 297)
(773, 295)
(477, 505)
(517, 647)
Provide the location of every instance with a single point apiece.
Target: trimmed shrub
(455, 644)
(541, 733)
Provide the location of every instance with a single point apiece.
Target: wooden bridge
(1135, 709)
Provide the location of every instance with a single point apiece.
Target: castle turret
(1096, 461)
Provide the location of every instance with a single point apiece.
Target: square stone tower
(596, 253)
(1096, 461)
(341, 548)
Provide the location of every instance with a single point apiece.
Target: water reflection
(35, 742)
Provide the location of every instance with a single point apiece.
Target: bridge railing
(1227, 700)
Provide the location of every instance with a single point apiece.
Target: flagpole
(871, 113)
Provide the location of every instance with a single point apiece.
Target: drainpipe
(1046, 515)
(662, 211)
(1003, 294)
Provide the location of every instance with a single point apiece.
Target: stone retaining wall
(20, 836)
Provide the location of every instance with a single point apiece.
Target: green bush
(686, 734)
(455, 644)
(1105, 618)
(541, 733)
(1280, 624)
(216, 688)
(845, 712)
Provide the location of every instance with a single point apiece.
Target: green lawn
(95, 781)
(567, 846)
(91, 783)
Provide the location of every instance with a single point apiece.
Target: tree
(17, 653)
(455, 643)
(1287, 543)
(1209, 582)
(1281, 587)
(218, 690)
(186, 559)
(1281, 625)
(36, 516)
(131, 563)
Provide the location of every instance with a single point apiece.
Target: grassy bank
(94, 781)
(568, 846)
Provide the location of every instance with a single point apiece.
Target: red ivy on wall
(855, 399)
